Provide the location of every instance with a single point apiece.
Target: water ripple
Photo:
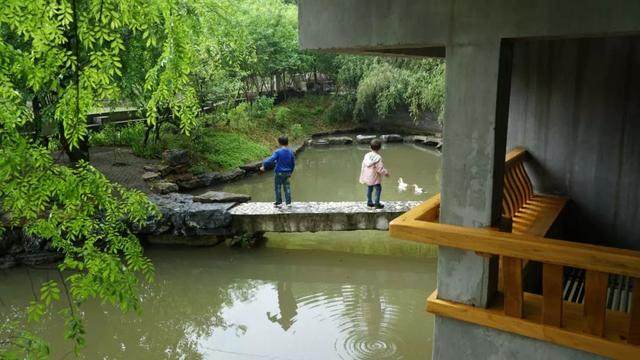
(365, 321)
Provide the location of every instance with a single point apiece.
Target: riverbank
(229, 138)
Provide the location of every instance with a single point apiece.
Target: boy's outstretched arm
(270, 161)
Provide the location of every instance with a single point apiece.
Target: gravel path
(118, 164)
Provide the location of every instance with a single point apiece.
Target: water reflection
(288, 307)
(266, 303)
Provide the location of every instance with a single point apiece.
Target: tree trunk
(76, 153)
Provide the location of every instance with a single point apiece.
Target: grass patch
(227, 139)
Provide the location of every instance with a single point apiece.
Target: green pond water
(333, 295)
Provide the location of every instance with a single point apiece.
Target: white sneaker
(288, 206)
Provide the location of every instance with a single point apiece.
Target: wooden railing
(589, 326)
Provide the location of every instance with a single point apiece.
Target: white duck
(417, 190)
(402, 186)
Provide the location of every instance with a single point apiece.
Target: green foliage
(296, 131)
(282, 118)
(58, 61)
(239, 118)
(84, 216)
(387, 85)
(342, 109)
(232, 138)
(221, 150)
(262, 105)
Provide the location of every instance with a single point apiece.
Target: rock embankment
(19, 248)
(425, 140)
(188, 215)
(185, 219)
(173, 174)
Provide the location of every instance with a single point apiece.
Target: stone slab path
(315, 216)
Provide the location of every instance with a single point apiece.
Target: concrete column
(474, 138)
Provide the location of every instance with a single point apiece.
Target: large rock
(339, 140)
(391, 138)
(164, 187)
(253, 167)
(425, 140)
(221, 197)
(151, 176)
(217, 178)
(157, 168)
(319, 142)
(181, 216)
(176, 157)
(365, 139)
(186, 181)
(232, 175)
(8, 261)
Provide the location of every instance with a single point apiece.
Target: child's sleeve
(270, 161)
(380, 168)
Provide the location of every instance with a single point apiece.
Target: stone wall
(401, 121)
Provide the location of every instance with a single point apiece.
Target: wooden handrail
(427, 211)
(571, 335)
(515, 156)
(585, 256)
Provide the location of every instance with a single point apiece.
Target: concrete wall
(380, 25)
(575, 105)
(479, 342)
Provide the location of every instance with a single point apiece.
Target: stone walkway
(336, 207)
(315, 216)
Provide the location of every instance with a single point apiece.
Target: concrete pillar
(474, 138)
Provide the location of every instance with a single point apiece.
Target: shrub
(239, 117)
(283, 118)
(262, 105)
(296, 131)
(341, 109)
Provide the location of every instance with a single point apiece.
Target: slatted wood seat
(528, 212)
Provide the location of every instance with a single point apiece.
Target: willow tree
(58, 60)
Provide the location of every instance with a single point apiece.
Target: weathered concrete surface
(459, 340)
(574, 106)
(426, 27)
(316, 216)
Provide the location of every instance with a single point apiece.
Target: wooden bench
(525, 211)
